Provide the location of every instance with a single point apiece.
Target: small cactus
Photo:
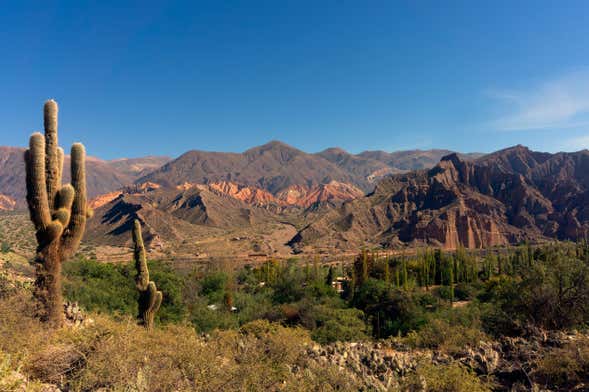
(59, 212)
(150, 298)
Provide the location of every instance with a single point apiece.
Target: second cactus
(150, 298)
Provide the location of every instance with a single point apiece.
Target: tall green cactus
(150, 298)
(58, 211)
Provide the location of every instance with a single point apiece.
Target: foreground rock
(511, 362)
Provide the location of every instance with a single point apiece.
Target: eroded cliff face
(250, 195)
(303, 196)
(506, 197)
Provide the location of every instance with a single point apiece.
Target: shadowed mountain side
(171, 216)
(113, 222)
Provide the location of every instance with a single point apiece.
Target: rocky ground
(509, 363)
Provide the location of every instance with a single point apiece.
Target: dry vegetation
(17, 233)
(119, 355)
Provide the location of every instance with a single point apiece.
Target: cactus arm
(36, 188)
(154, 300)
(158, 301)
(152, 295)
(52, 167)
(77, 224)
(63, 204)
(53, 231)
(60, 156)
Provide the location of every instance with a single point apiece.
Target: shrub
(12, 380)
(440, 334)
(451, 377)
(206, 319)
(5, 247)
(119, 355)
(100, 287)
(466, 291)
(252, 306)
(288, 288)
(444, 292)
(552, 293)
(337, 324)
(213, 286)
(565, 366)
(391, 311)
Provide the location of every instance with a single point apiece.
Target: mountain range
(332, 199)
(273, 167)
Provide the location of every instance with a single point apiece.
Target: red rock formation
(247, 194)
(295, 195)
(101, 200)
(333, 192)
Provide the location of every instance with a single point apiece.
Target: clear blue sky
(161, 78)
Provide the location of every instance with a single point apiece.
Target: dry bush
(439, 334)
(451, 377)
(261, 356)
(126, 356)
(566, 365)
(54, 363)
(20, 333)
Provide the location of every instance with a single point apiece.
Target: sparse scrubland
(438, 321)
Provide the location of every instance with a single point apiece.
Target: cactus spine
(58, 211)
(150, 298)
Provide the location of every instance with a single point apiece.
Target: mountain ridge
(273, 167)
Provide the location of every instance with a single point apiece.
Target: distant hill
(102, 176)
(275, 166)
(413, 159)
